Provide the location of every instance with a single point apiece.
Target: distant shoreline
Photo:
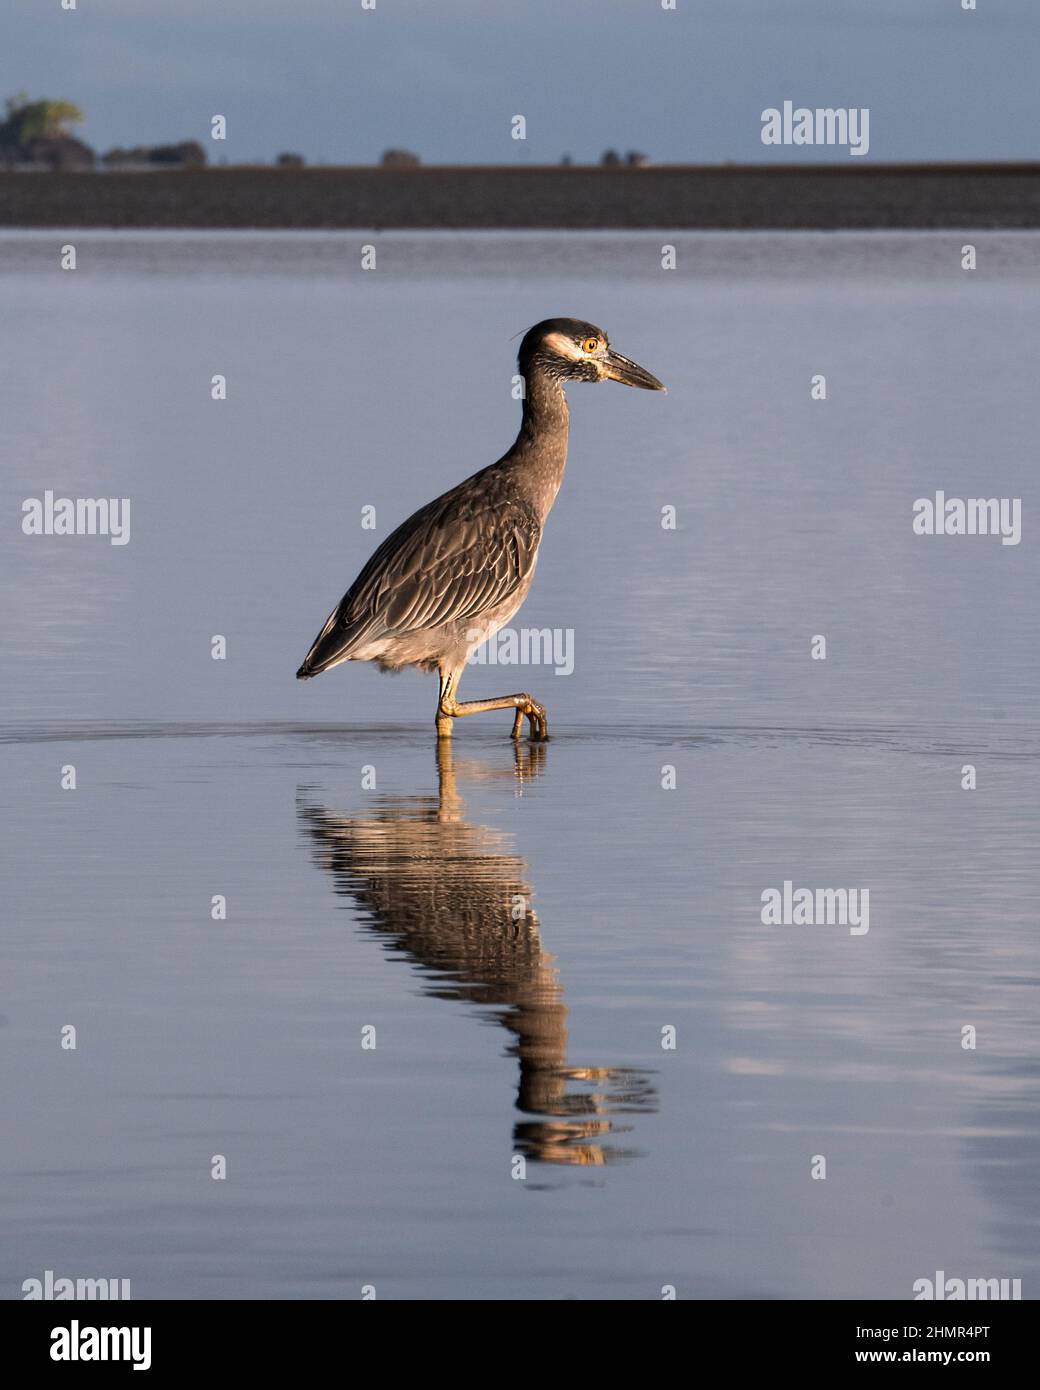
(684, 197)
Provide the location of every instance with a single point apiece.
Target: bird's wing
(454, 559)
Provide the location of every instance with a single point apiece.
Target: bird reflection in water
(453, 897)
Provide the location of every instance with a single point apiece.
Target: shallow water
(520, 929)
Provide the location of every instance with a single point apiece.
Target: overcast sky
(444, 77)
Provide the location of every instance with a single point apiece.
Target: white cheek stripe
(564, 347)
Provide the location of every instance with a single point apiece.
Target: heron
(459, 568)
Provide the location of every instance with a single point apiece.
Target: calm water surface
(520, 929)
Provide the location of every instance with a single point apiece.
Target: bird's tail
(318, 660)
(336, 642)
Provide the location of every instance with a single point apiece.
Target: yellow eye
(590, 345)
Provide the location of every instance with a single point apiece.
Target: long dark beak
(630, 373)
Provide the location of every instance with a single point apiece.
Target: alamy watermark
(820, 125)
(969, 516)
(819, 907)
(77, 516)
(942, 1289)
(526, 646)
(60, 1288)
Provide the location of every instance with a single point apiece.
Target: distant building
(188, 154)
(290, 161)
(400, 159)
(632, 160)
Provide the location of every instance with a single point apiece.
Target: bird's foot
(445, 726)
(536, 717)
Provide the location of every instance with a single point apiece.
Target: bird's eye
(590, 345)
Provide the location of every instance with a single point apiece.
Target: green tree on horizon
(30, 120)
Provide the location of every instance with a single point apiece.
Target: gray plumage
(459, 568)
(446, 570)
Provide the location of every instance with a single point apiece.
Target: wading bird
(459, 568)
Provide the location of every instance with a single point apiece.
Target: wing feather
(454, 560)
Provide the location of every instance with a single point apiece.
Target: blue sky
(445, 77)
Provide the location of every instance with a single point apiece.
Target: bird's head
(573, 350)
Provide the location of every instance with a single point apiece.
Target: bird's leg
(525, 706)
(446, 704)
(449, 708)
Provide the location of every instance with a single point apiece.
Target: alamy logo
(942, 1289)
(61, 1288)
(80, 1343)
(530, 646)
(77, 516)
(971, 516)
(820, 125)
(819, 907)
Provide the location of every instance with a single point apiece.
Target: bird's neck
(540, 451)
